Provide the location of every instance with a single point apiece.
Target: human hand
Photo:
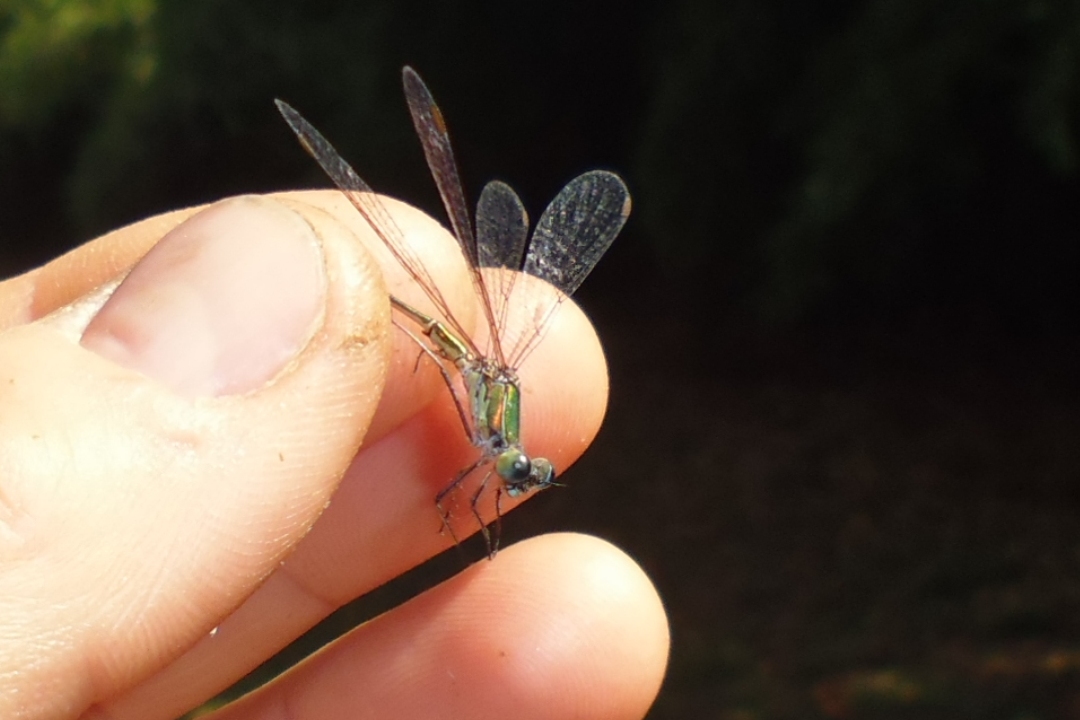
(168, 457)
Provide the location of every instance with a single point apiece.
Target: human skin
(198, 467)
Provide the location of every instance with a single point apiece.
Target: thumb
(162, 446)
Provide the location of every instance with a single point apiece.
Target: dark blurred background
(844, 432)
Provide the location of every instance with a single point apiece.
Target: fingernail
(221, 304)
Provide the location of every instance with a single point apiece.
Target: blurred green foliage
(54, 55)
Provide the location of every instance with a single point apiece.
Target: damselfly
(573, 233)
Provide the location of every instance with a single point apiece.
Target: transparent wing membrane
(577, 228)
(502, 230)
(502, 227)
(372, 209)
(571, 236)
(435, 139)
(573, 233)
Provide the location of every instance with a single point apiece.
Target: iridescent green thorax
(496, 403)
(493, 414)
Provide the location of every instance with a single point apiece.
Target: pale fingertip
(598, 629)
(559, 626)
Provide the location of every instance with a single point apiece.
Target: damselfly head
(540, 475)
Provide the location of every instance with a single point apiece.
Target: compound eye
(513, 466)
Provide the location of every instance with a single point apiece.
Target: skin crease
(135, 519)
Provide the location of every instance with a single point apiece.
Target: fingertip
(558, 626)
(588, 622)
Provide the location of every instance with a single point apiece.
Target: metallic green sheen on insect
(495, 405)
(571, 236)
